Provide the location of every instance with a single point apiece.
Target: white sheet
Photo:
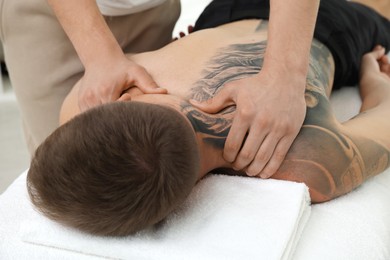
(353, 227)
(225, 217)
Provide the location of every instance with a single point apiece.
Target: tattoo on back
(214, 127)
(332, 176)
(231, 63)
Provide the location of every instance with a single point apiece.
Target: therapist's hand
(107, 80)
(270, 112)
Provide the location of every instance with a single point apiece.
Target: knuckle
(246, 113)
(246, 156)
(279, 156)
(262, 122)
(262, 157)
(285, 128)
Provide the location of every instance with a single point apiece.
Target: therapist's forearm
(291, 27)
(87, 30)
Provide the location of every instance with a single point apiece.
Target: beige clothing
(124, 7)
(44, 66)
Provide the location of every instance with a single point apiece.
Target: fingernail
(250, 174)
(263, 176)
(229, 160)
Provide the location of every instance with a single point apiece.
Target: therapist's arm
(270, 105)
(108, 72)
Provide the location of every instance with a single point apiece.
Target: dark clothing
(348, 29)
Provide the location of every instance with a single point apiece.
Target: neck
(211, 157)
(211, 131)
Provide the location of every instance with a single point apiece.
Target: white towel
(355, 226)
(224, 217)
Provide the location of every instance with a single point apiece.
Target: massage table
(225, 217)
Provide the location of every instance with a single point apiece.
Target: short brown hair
(115, 169)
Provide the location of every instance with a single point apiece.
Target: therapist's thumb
(145, 82)
(214, 105)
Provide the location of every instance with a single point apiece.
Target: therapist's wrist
(292, 63)
(102, 56)
(294, 72)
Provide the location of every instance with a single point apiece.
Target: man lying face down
(122, 167)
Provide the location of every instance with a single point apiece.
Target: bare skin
(108, 73)
(262, 131)
(381, 6)
(330, 157)
(334, 158)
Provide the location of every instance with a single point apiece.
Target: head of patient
(115, 169)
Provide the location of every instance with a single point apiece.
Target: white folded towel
(224, 217)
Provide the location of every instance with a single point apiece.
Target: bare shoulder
(70, 107)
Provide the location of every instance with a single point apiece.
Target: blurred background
(14, 158)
